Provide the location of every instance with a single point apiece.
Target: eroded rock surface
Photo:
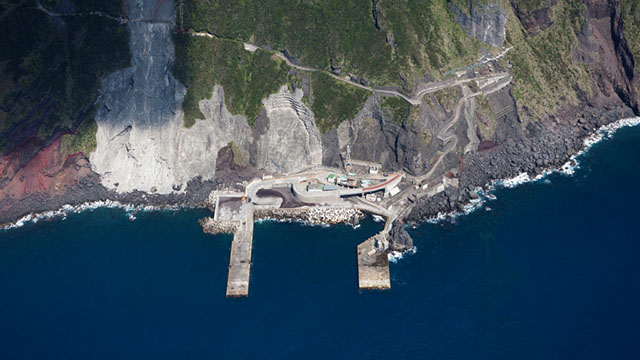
(483, 21)
(142, 143)
(292, 140)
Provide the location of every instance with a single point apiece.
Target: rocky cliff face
(143, 145)
(141, 142)
(290, 140)
(483, 21)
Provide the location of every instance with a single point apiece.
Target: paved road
(414, 100)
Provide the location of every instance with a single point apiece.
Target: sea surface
(548, 270)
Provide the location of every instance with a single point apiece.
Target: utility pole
(347, 159)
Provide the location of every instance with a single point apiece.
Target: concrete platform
(240, 259)
(373, 267)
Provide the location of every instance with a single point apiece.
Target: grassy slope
(313, 31)
(396, 108)
(631, 18)
(333, 102)
(428, 40)
(246, 77)
(51, 75)
(322, 33)
(545, 75)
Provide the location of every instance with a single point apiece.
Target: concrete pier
(240, 259)
(373, 265)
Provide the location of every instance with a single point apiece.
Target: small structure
(394, 191)
(329, 187)
(331, 179)
(352, 182)
(315, 187)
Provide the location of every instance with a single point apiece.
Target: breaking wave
(130, 210)
(396, 256)
(569, 168)
(485, 194)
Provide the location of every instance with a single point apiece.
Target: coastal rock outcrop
(399, 238)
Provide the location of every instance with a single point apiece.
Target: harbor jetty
(317, 196)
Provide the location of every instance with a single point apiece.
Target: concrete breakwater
(313, 216)
(211, 226)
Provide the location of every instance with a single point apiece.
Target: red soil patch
(47, 172)
(486, 145)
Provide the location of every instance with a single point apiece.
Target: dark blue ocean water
(550, 272)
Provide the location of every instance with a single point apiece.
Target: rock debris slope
(141, 141)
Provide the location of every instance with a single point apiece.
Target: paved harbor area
(373, 266)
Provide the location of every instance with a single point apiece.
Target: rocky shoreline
(89, 191)
(312, 216)
(213, 227)
(550, 148)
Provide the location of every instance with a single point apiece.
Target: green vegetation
(238, 156)
(50, 71)
(448, 98)
(425, 137)
(631, 18)
(427, 37)
(334, 102)
(396, 108)
(83, 140)
(527, 5)
(545, 75)
(246, 77)
(316, 32)
(413, 38)
(485, 117)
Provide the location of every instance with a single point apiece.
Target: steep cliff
(52, 58)
(142, 143)
(473, 90)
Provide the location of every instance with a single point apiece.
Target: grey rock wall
(141, 141)
(484, 21)
(292, 140)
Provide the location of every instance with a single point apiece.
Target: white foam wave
(568, 168)
(65, 210)
(396, 256)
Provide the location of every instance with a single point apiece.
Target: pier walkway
(373, 264)
(240, 259)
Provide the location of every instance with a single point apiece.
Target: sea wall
(314, 216)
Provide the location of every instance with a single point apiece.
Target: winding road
(414, 100)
